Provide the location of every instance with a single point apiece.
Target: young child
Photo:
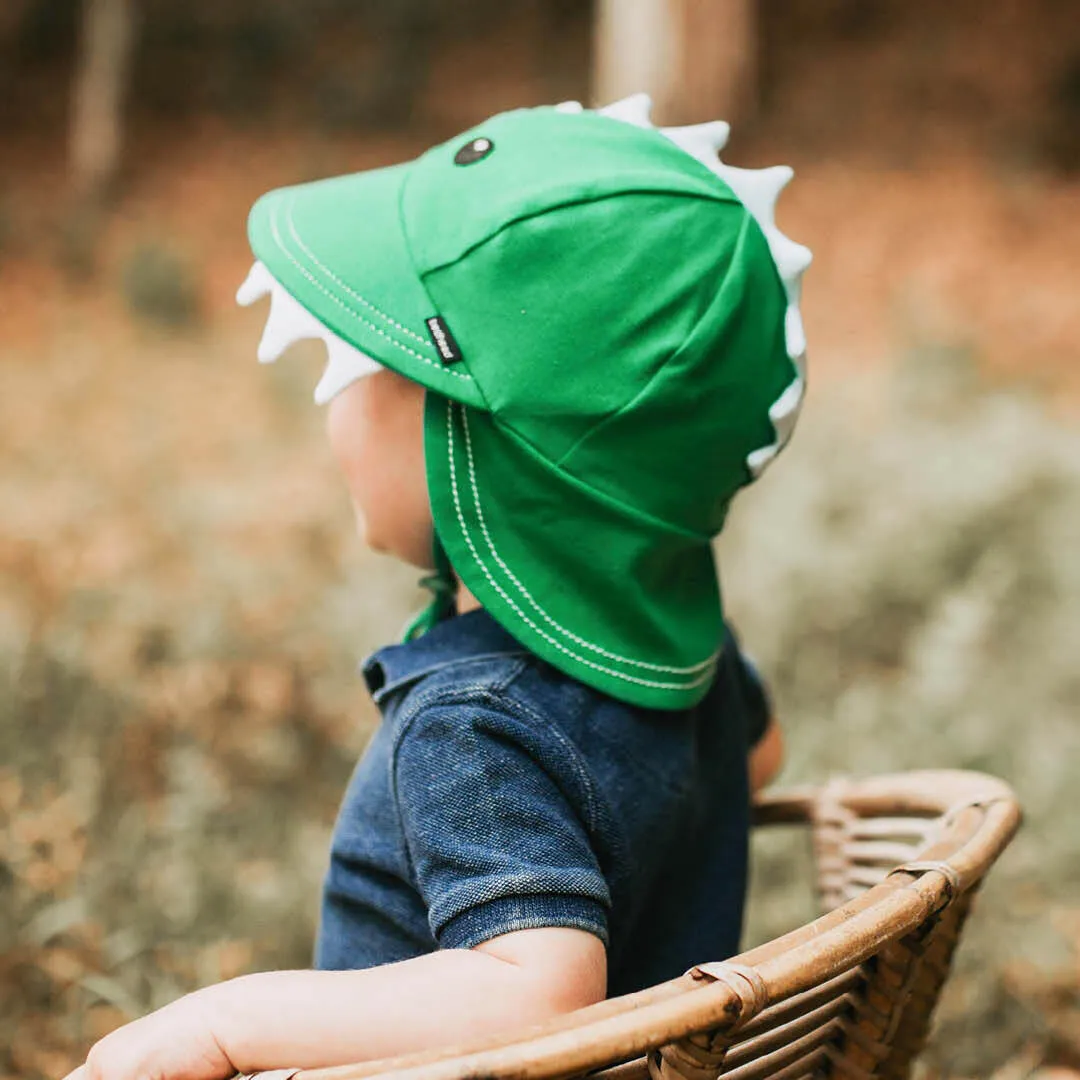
(558, 345)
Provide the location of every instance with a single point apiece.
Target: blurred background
(182, 600)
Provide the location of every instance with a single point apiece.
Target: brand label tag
(443, 340)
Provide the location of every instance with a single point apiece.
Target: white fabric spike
(791, 259)
(794, 334)
(346, 364)
(634, 109)
(758, 189)
(783, 413)
(703, 141)
(256, 285)
(287, 323)
(569, 107)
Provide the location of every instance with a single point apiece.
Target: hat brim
(339, 248)
(621, 601)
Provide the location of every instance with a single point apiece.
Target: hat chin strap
(442, 583)
(289, 322)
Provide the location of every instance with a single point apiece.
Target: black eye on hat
(474, 150)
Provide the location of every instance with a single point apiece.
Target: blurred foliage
(5, 225)
(335, 64)
(997, 78)
(1062, 125)
(160, 285)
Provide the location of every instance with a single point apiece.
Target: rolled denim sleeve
(495, 807)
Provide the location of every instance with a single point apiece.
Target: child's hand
(174, 1043)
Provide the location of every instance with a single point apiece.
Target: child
(557, 345)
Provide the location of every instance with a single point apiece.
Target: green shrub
(160, 286)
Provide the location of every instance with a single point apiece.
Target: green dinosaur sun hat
(606, 319)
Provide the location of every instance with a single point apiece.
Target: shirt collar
(462, 637)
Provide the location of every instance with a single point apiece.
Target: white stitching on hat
(348, 311)
(703, 677)
(692, 669)
(341, 284)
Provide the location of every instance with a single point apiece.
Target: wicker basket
(849, 995)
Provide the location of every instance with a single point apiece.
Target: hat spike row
(703, 141)
(635, 109)
(757, 190)
(256, 285)
(346, 364)
(289, 322)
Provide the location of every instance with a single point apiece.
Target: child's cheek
(347, 432)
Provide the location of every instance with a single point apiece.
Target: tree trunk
(698, 58)
(96, 133)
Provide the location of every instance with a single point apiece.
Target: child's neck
(465, 600)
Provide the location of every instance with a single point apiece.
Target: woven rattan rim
(975, 818)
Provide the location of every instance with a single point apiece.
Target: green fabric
(338, 247)
(621, 324)
(442, 584)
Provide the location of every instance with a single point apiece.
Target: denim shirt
(499, 794)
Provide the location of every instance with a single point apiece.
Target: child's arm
(309, 1019)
